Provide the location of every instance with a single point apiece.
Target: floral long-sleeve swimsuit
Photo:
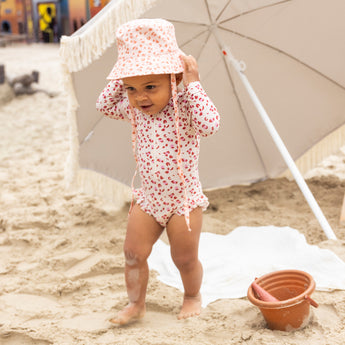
(162, 191)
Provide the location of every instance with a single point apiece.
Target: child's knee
(134, 257)
(185, 261)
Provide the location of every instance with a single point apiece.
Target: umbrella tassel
(179, 159)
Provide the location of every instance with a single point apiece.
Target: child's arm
(113, 102)
(203, 114)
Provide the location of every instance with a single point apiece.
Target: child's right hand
(191, 71)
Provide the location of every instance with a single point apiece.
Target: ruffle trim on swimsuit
(199, 200)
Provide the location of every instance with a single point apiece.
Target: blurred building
(96, 6)
(15, 16)
(46, 20)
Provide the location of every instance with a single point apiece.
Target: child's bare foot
(191, 307)
(130, 313)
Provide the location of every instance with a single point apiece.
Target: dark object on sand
(22, 85)
(2, 74)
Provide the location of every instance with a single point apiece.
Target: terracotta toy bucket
(292, 289)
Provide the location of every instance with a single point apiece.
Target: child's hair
(145, 47)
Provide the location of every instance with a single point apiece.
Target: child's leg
(184, 246)
(142, 232)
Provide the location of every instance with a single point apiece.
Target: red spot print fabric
(162, 192)
(146, 46)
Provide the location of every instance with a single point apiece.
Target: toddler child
(166, 130)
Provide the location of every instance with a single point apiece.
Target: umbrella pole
(239, 66)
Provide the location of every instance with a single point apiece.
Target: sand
(61, 267)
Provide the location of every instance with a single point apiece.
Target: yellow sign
(47, 13)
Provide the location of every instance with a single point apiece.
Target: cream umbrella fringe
(86, 180)
(77, 52)
(91, 41)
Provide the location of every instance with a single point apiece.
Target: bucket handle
(311, 301)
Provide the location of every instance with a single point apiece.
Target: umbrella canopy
(294, 53)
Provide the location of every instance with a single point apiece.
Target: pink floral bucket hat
(146, 46)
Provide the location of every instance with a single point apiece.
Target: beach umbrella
(293, 108)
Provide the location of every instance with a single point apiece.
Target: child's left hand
(191, 72)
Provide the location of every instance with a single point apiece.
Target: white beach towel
(231, 262)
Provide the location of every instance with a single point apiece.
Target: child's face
(148, 93)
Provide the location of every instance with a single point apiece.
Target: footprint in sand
(93, 265)
(29, 304)
(14, 338)
(94, 322)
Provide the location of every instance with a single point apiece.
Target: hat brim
(147, 65)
